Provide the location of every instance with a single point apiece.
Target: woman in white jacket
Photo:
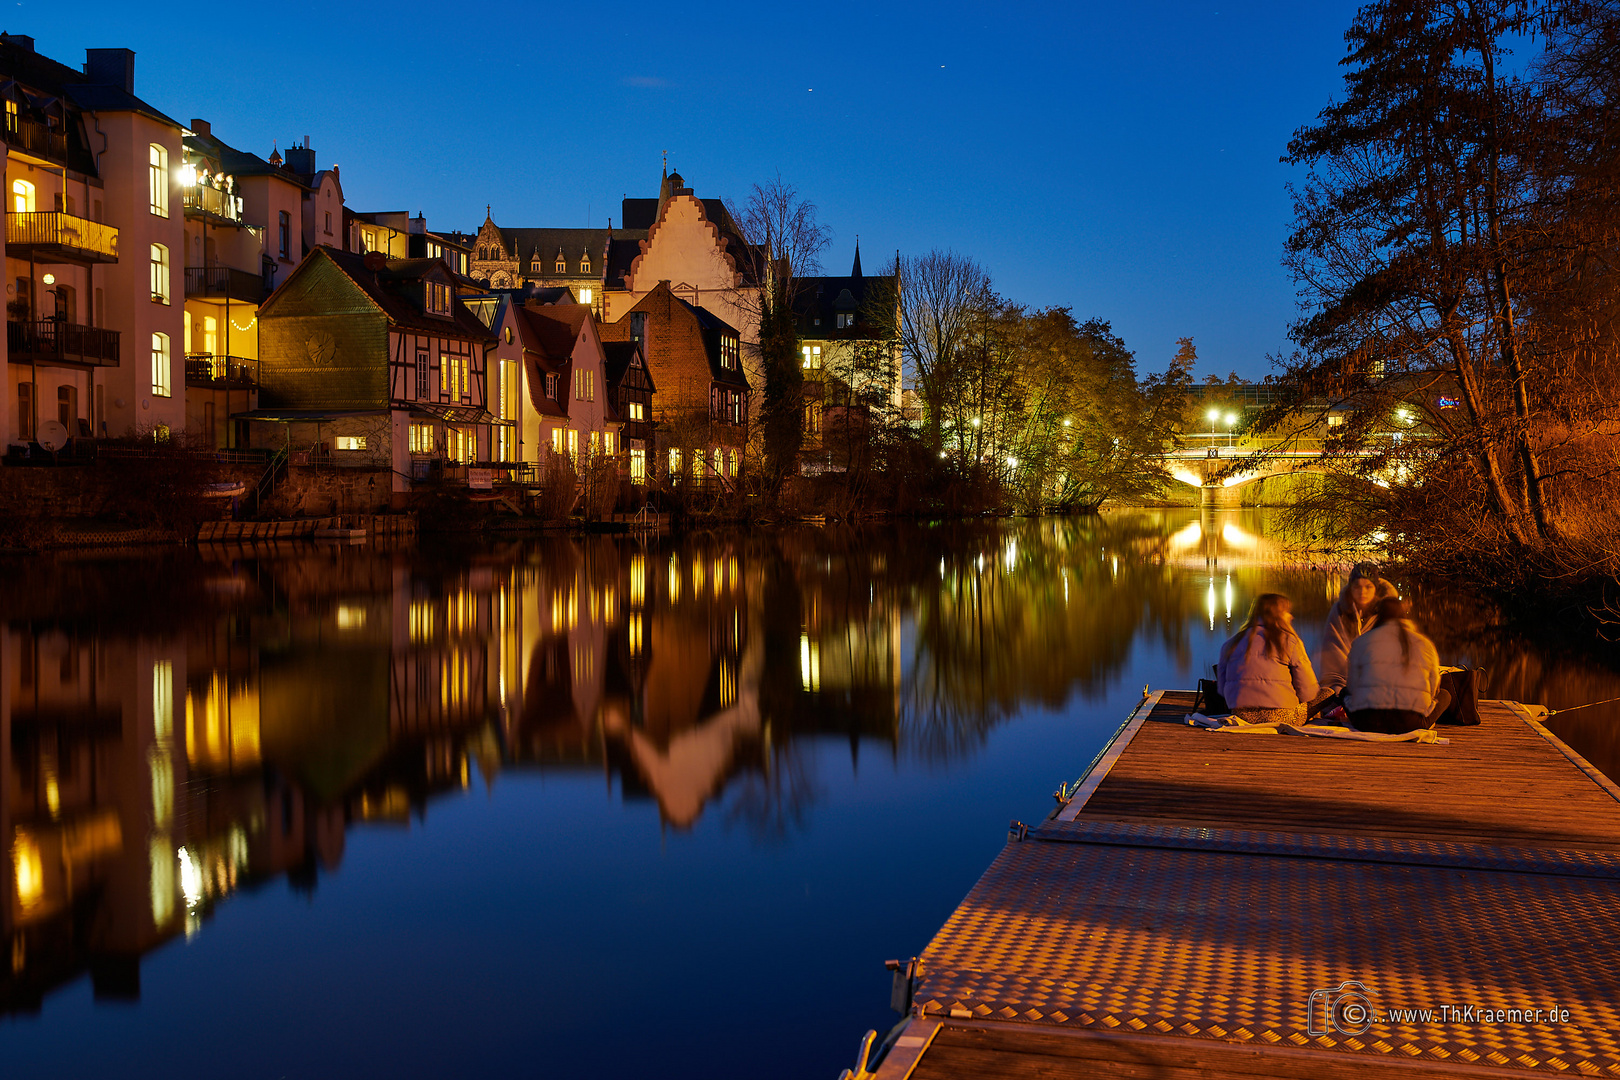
(1393, 675)
(1263, 673)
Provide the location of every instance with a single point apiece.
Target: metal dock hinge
(1016, 831)
(862, 1055)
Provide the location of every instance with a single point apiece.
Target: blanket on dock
(1320, 731)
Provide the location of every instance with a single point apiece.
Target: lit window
(585, 295)
(594, 444)
(638, 465)
(160, 274)
(674, 462)
(13, 120)
(728, 352)
(438, 298)
(351, 442)
(584, 385)
(557, 440)
(1334, 420)
(453, 376)
(585, 268)
(368, 240)
(157, 179)
(22, 197)
(637, 411)
(160, 365)
(607, 443)
(573, 443)
(562, 267)
(421, 438)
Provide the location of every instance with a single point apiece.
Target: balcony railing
(49, 341)
(225, 282)
(205, 370)
(51, 234)
(32, 137)
(201, 200)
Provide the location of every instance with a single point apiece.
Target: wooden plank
(1609, 787)
(971, 1050)
(908, 1049)
(1116, 747)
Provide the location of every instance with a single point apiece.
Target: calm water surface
(630, 807)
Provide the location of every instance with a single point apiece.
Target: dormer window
(585, 264)
(438, 298)
(846, 321)
(562, 264)
(728, 351)
(536, 266)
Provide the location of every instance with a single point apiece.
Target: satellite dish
(53, 435)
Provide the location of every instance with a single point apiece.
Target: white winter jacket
(1378, 679)
(1249, 677)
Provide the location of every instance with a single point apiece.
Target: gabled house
(850, 342)
(369, 361)
(630, 394)
(565, 373)
(701, 406)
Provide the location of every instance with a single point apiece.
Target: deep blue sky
(1118, 158)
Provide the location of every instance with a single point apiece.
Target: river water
(609, 805)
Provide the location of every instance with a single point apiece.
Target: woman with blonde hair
(1394, 675)
(1263, 673)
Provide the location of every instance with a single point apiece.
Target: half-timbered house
(370, 361)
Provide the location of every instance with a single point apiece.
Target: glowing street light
(1214, 418)
(1231, 422)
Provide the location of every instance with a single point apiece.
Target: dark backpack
(1463, 685)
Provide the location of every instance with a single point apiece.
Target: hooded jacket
(1344, 625)
(1251, 678)
(1378, 678)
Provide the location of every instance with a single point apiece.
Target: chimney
(22, 41)
(301, 159)
(111, 67)
(201, 127)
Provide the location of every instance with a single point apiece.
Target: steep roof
(826, 298)
(618, 355)
(395, 288)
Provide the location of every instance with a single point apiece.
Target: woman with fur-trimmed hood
(1351, 616)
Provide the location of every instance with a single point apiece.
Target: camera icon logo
(1345, 1009)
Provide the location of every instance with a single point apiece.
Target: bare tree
(784, 242)
(942, 295)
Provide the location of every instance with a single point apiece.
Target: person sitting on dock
(1394, 675)
(1349, 618)
(1264, 674)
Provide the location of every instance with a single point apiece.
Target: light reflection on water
(566, 787)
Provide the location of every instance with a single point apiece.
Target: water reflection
(176, 728)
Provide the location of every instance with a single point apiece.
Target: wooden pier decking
(1176, 916)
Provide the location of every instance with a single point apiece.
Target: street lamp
(1214, 417)
(1231, 422)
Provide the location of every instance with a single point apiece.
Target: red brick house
(700, 410)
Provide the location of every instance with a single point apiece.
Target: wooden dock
(1220, 904)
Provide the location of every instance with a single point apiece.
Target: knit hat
(1368, 570)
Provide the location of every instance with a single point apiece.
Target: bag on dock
(1463, 684)
(1208, 700)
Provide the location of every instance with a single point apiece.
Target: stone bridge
(1200, 466)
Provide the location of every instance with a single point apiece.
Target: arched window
(160, 274)
(157, 179)
(22, 196)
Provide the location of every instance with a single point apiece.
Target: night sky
(1119, 159)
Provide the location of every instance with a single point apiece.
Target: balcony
(220, 207)
(52, 236)
(48, 341)
(37, 140)
(209, 372)
(224, 283)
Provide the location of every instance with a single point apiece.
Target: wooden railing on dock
(1204, 902)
